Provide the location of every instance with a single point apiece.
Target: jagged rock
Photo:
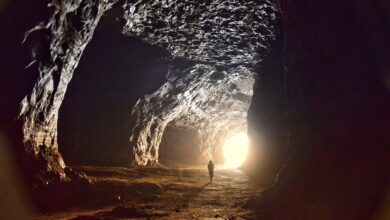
(59, 44)
(222, 32)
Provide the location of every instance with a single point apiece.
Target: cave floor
(156, 193)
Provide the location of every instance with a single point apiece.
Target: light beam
(235, 150)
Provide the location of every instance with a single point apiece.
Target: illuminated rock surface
(218, 32)
(57, 48)
(194, 98)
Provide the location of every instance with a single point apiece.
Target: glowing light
(235, 150)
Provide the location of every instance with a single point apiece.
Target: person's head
(210, 161)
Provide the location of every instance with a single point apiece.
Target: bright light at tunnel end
(235, 150)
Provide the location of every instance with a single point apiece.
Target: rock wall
(327, 72)
(57, 46)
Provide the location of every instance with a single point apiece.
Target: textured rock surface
(226, 32)
(192, 98)
(58, 46)
(222, 40)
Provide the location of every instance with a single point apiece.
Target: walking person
(210, 166)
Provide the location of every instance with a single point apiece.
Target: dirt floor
(157, 193)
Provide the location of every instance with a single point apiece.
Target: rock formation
(58, 46)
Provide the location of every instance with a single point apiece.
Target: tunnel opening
(112, 75)
(235, 150)
(183, 146)
(179, 146)
(193, 144)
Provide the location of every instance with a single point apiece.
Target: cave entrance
(111, 76)
(235, 150)
(188, 146)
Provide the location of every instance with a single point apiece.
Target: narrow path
(166, 194)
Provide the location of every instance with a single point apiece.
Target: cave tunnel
(111, 76)
(121, 104)
(179, 146)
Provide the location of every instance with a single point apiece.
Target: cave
(181, 109)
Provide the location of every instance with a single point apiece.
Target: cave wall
(56, 51)
(329, 74)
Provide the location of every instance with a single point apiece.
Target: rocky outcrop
(57, 46)
(219, 43)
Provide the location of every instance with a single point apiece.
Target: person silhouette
(210, 166)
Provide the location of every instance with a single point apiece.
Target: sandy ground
(156, 193)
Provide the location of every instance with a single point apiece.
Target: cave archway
(112, 75)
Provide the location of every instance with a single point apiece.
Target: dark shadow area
(114, 72)
(16, 17)
(179, 146)
(15, 80)
(322, 101)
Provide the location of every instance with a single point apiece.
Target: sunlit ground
(235, 150)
